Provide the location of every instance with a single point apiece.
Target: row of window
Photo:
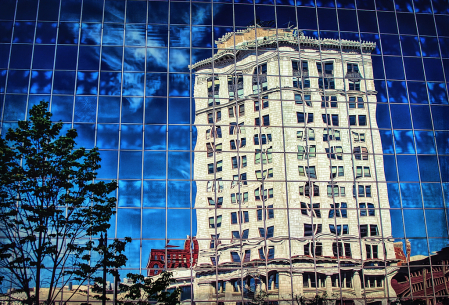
(300, 79)
(331, 119)
(337, 209)
(336, 171)
(329, 134)
(365, 230)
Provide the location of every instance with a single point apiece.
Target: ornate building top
(234, 43)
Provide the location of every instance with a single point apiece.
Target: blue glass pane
(70, 10)
(179, 165)
(2, 84)
(86, 135)
(179, 13)
(179, 84)
(393, 67)
(132, 252)
(426, 25)
(442, 24)
(178, 194)
(132, 110)
(384, 5)
(179, 137)
(158, 35)
(411, 195)
(387, 141)
(130, 165)
(442, 139)
(414, 226)
(437, 93)
(4, 55)
(109, 161)
(20, 56)
(444, 168)
(157, 59)
(153, 225)
(202, 37)
(410, 46)
(15, 108)
(440, 115)
(155, 137)
(114, 11)
(286, 15)
(136, 12)
(90, 33)
(397, 92)
(307, 18)
(128, 222)
(179, 111)
(223, 15)
(66, 57)
(156, 84)
(404, 142)
(62, 108)
(155, 111)
(5, 31)
(133, 84)
(109, 109)
(429, 46)
(179, 60)
(111, 58)
(428, 168)
(406, 23)
(378, 69)
(35, 100)
(18, 81)
(131, 137)
(153, 193)
(87, 83)
(201, 13)
(8, 8)
(157, 12)
(396, 217)
(26, 10)
(41, 82)
(43, 57)
(178, 223)
(64, 82)
(347, 20)
(432, 195)
(110, 83)
(135, 35)
(407, 168)
(436, 223)
(387, 22)
(46, 32)
(24, 32)
(417, 92)
(129, 193)
(154, 165)
(400, 115)
(382, 91)
(113, 34)
(85, 109)
(107, 136)
(421, 117)
(68, 33)
(134, 59)
(424, 142)
(390, 45)
(92, 10)
(48, 10)
(88, 58)
(434, 70)
(180, 36)
(393, 195)
(367, 21)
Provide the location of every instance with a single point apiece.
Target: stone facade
(291, 195)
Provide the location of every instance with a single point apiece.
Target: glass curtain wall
(125, 75)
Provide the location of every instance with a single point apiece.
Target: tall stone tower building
(291, 196)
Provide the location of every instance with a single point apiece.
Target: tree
(146, 290)
(50, 207)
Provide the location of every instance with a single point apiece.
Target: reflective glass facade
(290, 147)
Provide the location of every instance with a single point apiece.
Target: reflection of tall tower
(289, 170)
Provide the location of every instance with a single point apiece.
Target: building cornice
(286, 39)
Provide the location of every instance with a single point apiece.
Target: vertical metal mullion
(166, 136)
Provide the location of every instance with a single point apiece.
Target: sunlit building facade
(287, 164)
(299, 143)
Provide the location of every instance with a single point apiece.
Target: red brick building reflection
(428, 277)
(173, 258)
